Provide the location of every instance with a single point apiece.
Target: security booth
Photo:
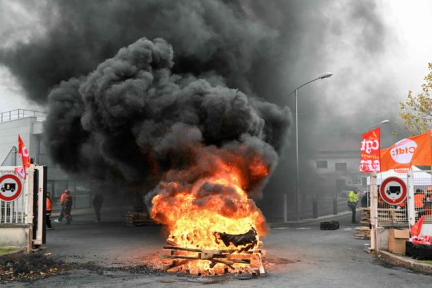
(22, 207)
(398, 199)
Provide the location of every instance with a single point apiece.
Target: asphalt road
(296, 257)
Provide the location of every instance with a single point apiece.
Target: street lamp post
(325, 75)
(376, 124)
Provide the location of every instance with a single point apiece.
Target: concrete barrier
(16, 235)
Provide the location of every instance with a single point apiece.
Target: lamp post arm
(376, 124)
(304, 85)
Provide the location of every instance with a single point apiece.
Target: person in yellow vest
(352, 203)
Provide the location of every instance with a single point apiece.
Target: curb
(307, 221)
(404, 261)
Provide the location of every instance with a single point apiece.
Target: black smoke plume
(135, 121)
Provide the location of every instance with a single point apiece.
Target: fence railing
(21, 113)
(15, 212)
(395, 215)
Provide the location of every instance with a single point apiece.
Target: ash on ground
(39, 265)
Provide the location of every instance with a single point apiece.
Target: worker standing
(62, 203)
(68, 207)
(48, 211)
(97, 205)
(352, 203)
(419, 202)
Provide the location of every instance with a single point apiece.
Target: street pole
(376, 124)
(298, 204)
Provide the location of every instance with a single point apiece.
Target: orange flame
(217, 203)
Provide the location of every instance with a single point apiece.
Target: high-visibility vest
(62, 198)
(352, 197)
(48, 204)
(418, 200)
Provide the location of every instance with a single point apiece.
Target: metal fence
(21, 113)
(15, 212)
(397, 215)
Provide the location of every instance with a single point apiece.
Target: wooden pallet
(363, 231)
(390, 215)
(132, 218)
(229, 258)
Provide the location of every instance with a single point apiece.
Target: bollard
(314, 207)
(335, 212)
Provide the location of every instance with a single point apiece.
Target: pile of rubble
(35, 266)
(29, 267)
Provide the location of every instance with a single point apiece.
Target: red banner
(410, 151)
(23, 153)
(25, 157)
(416, 228)
(370, 159)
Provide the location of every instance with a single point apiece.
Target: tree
(416, 111)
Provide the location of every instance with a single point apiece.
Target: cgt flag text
(370, 151)
(410, 151)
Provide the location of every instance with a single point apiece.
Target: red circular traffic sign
(393, 190)
(10, 187)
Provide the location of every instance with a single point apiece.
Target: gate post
(373, 210)
(410, 200)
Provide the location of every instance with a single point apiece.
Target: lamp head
(385, 121)
(326, 75)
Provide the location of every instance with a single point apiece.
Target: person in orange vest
(428, 201)
(48, 211)
(419, 199)
(62, 203)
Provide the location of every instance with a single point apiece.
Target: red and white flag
(370, 159)
(25, 157)
(23, 153)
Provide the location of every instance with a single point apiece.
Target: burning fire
(199, 215)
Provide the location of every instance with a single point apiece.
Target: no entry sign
(393, 190)
(10, 187)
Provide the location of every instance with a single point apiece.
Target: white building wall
(9, 132)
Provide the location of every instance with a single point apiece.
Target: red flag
(23, 153)
(410, 151)
(370, 151)
(416, 228)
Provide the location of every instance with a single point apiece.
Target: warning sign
(393, 191)
(10, 187)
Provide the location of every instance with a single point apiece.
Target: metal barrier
(323, 205)
(397, 215)
(21, 113)
(390, 215)
(15, 212)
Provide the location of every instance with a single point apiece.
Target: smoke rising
(132, 119)
(128, 109)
